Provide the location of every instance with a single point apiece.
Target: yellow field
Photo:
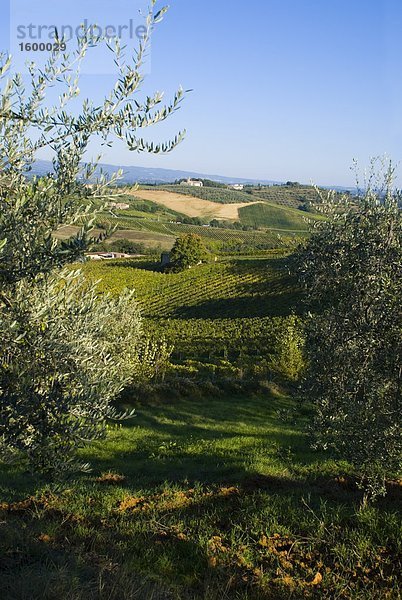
(192, 207)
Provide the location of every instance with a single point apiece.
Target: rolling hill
(216, 203)
(133, 174)
(192, 206)
(264, 214)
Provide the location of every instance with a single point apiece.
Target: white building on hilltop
(237, 186)
(192, 183)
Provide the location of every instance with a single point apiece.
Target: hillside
(238, 287)
(264, 214)
(157, 236)
(150, 239)
(211, 312)
(193, 205)
(226, 219)
(273, 210)
(163, 211)
(292, 196)
(211, 194)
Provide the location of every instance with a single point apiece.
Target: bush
(288, 353)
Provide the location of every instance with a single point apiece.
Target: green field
(217, 500)
(215, 234)
(274, 217)
(234, 310)
(158, 234)
(221, 240)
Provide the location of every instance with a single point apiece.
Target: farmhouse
(119, 205)
(192, 183)
(165, 259)
(237, 186)
(107, 255)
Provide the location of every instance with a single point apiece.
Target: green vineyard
(275, 217)
(124, 220)
(285, 195)
(220, 195)
(228, 339)
(228, 288)
(220, 311)
(257, 239)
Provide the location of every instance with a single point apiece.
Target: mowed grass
(199, 500)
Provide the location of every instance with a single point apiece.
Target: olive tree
(66, 352)
(352, 272)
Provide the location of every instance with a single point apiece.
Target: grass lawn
(217, 499)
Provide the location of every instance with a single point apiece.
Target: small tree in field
(65, 353)
(188, 250)
(352, 271)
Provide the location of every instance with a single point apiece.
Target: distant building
(192, 183)
(119, 205)
(107, 255)
(165, 259)
(237, 186)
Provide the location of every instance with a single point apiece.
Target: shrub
(288, 353)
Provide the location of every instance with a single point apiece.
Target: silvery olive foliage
(352, 272)
(66, 351)
(65, 357)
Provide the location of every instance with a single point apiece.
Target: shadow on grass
(217, 441)
(198, 542)
(209, 504)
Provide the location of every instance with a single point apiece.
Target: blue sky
(283, 89)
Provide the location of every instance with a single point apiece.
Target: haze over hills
(134, 174)
(157, 175)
